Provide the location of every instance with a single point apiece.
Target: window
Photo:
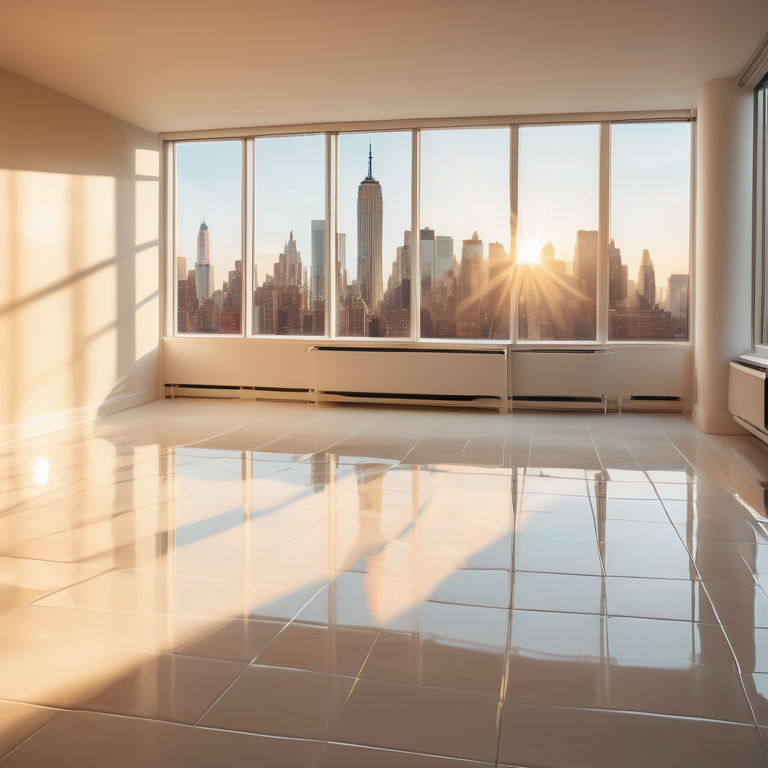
(649, 249)
(531, 234)
(464, 240)
(209, 261)
(289, 265)
(557, 255)
(373, 274)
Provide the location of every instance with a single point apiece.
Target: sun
(529, 252)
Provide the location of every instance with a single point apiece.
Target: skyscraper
(677, 293)
(585, 261)
(443, 255)
(317, 279)
(646, 281)
(203, 266)
(618, 275)
(288, 267)
(370, 213)
(427, 253)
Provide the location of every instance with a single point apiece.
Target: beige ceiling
(170, 65)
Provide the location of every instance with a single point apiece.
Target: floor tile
(550, 555)
(558, 592)
(13, 597)
(658, 644)
(557, 659)
(19, 721)
(486, 588)
(319, 648)
(641, 534)
(576, 506)
(78, 739)
(739, 604)
(577, 738)
(424, 660)
(658, 599)
(715, 562)
(281, 702)
(537, 524)
(237, 640)
(750, 645)
(646, 510)
(349, 756)
(161, 686)
(648, 562)
(415, 719)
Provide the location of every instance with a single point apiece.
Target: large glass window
(556, 269)
(373, 275)
(478, 266)
(209, 242)
(466, 268)
(649, 250)
(289, 269)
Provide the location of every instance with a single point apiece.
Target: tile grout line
(508, 641)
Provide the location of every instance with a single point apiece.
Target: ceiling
(172, 65)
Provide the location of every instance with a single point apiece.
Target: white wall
(79, 298)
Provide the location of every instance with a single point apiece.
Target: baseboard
(716, 423)
(53, 422)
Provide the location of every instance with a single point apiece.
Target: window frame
(332, 132)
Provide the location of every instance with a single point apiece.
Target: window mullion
(415, 236)
(514, 134)
(331, 256)
(246, 275)
(604, 233)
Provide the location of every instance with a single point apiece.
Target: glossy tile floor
(199, 583)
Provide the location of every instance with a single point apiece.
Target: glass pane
(559, 180)
(374, 238)
(289, 273)
(649, 252)
(209, 267)
(466, 269)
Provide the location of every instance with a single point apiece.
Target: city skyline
(650, 166)
(471, 299)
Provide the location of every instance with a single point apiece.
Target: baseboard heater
(466, 376)
(228, 391)
(748, 396)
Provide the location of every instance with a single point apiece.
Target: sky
(651, 195)
(464, 187)
(208, 187)
(558, 186)
(290, 194)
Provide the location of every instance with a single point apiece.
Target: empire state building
(370, 211)
(203, 266)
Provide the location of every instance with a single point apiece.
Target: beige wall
(79, 298)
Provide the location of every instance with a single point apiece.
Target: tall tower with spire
(646, 279)
(203, 266)
(370, 214)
